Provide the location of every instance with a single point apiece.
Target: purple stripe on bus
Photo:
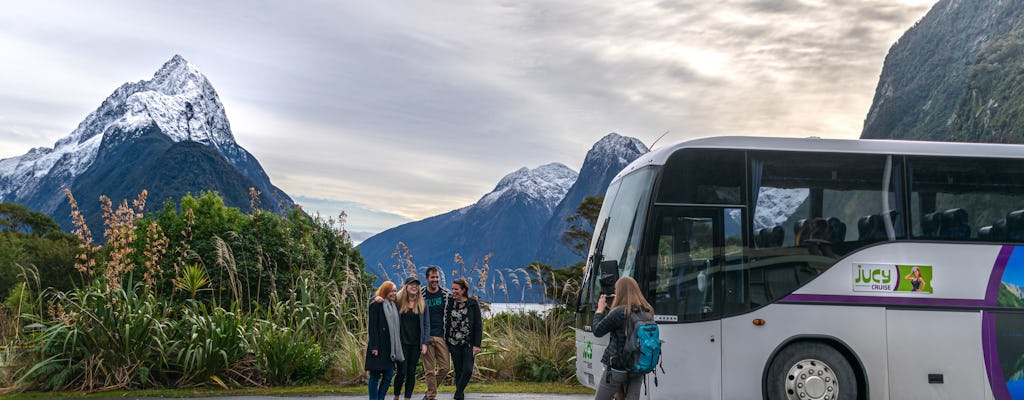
(991, 351)
(882, 301)
(996, 279)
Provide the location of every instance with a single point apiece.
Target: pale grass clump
(120, 235)
(403, 261)
(254, 200)
(85, 261)
(155, 249)
(481, 283)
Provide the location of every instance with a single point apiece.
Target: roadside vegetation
(201, 296)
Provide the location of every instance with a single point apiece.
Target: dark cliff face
(609, 156)
(152, 162)
(938, 80)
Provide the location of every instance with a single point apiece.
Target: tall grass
(210, 296)
(528, 346)
(120, 330)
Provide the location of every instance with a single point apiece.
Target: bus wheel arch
(833, 352)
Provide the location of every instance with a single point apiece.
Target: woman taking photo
(627, 300)
(463, 333)
(383, 346)
(414, 325)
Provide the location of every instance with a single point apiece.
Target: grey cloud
(419, 108)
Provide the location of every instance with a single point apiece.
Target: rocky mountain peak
(618, 147)
(547, 183)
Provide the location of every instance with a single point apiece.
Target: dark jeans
(379, 383)
(406, 370)
(462, 364)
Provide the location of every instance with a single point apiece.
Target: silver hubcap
(811, 379)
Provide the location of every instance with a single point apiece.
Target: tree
(19, 218)
(581, 226)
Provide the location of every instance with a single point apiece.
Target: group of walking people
(422, 321)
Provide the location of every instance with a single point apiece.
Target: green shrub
(287, 356)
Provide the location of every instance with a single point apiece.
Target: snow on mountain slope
(179, 100)
(546, 184)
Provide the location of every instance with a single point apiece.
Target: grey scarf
(391, 314)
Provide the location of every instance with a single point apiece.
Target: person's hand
(601, 303)
(374, 352)
(476, 350)
(423, 349)
(377, 299)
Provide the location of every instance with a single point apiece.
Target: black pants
(462, 364)
(406, 370)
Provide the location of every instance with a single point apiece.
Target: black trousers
(462, 364)
(405, 372)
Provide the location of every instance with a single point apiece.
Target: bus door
(681, 277)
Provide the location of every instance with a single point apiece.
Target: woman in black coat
(463, 332)
(383, 347)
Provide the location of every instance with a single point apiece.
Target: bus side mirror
(609, 274)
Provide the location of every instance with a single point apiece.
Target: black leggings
(406, 370)
(462, 363)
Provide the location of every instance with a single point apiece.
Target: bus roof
(817, 145)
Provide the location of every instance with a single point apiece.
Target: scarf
(391, 314)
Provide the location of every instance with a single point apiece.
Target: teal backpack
(642, 351)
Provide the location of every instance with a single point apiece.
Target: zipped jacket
(446, 295)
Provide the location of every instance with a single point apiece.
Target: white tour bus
(820, 269)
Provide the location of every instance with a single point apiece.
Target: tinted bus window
(813, 208)
(703, 176)
(957, 198)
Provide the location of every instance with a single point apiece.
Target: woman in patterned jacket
(463, 333)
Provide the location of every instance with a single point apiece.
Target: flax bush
(529, 346)
(200, 294)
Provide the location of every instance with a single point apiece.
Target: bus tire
(810, 371)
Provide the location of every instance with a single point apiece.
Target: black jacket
(476, 329)
(613, 322)
(378, 339)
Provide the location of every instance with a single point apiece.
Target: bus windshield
(619, 228)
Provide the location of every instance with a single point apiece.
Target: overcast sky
(400, 110)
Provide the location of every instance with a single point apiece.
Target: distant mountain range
(954, 76)
(520, 221)
(168, 135)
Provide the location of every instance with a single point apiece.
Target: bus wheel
(810, 371)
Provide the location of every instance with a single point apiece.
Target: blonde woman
(414, 328)
(383, 345)
(628, 299)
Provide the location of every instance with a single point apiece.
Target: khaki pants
(435, 365)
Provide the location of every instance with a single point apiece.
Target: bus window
(703, 176)
(811, 209)
(685, 263)
(960, 198)
(617, 235)
(621, 239)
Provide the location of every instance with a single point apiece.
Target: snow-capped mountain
(506, 222)
(176, 107)
(604, 160)
(546, 184)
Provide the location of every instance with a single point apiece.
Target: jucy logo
(892, 278)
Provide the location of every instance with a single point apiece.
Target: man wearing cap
(435, 361)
